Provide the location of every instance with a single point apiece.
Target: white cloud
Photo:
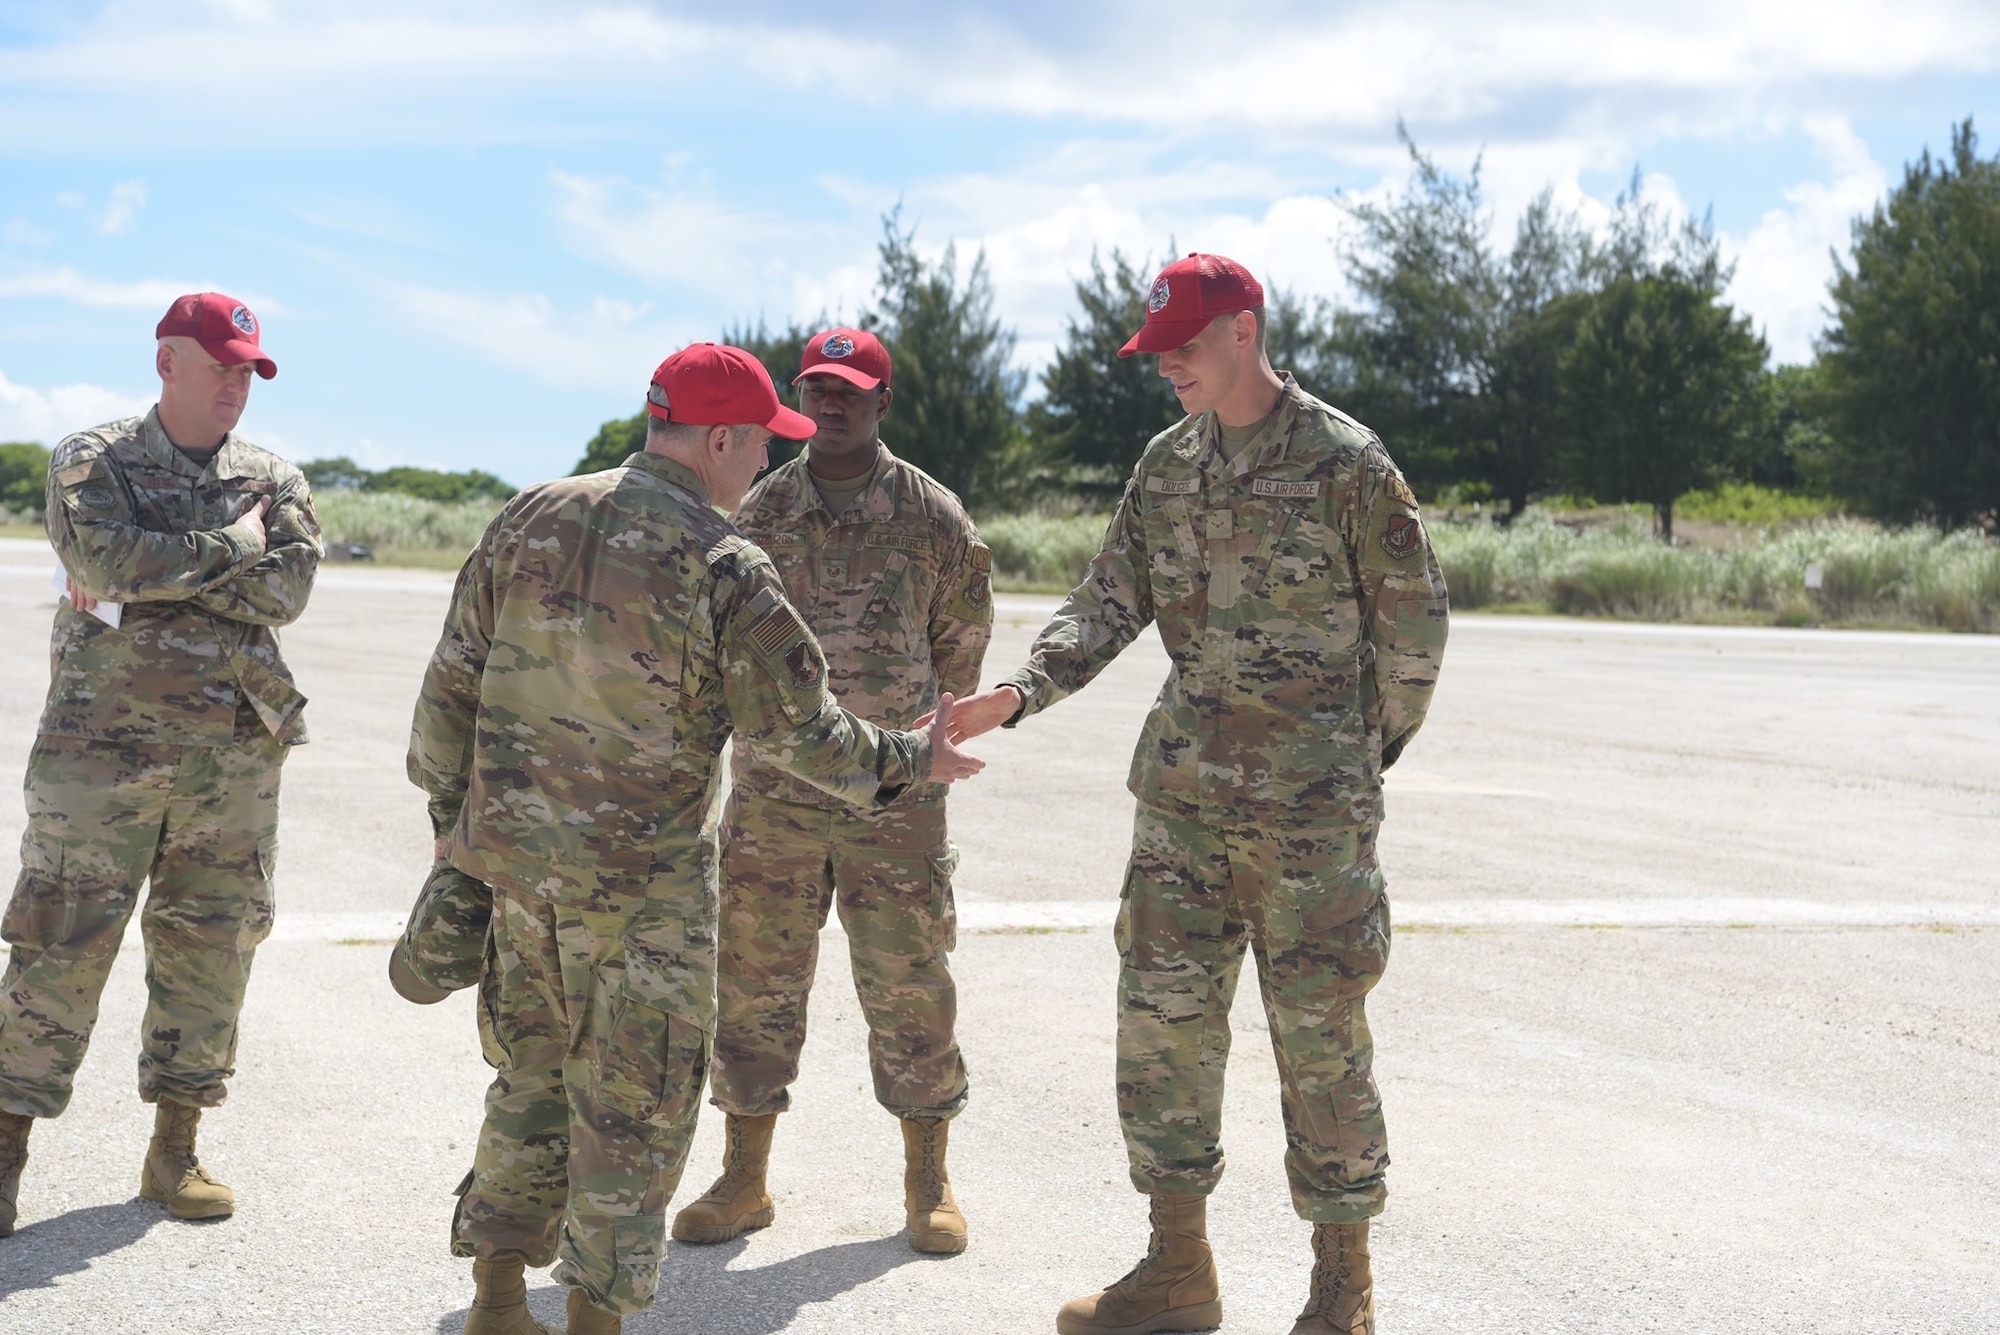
(611, 345)
(27, 413)
(1293, 72)
(155, 294)
(1785, 262)
(122, 213)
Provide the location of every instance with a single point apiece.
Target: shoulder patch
(727, 546)
(76, 473)
(1400, 536)
(784, 540)
(1401, 490)
(776, 629)
(1174, 486)
(979, 556)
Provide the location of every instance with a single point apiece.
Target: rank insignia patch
(1400, 537)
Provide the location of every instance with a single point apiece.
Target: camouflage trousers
(597, 1025)
(1311, 906)
(889, 872)
(199, 822)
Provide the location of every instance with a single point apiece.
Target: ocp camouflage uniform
(157, 757)
(1304, 614)
(604, 638)
(898, 590)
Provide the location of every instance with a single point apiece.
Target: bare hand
(978, 714)
(948, 763)
(78, 599)
(253, 520)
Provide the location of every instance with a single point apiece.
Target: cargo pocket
(1331, 921)
(261, 907)
(40, 915)
(651, 1063)
(944, 906)
(1349, 1123)
(492, 1043)
(652, 1017)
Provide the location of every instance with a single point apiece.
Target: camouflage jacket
(1299, 601)
(135, 521)
(898, 589)
(604, 639)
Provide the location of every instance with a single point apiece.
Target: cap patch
(244, 321)
(1157, 302)
(837, 345)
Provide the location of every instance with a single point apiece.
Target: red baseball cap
(855, 355)
(224, 327)
(713, 384)
(1187, 295)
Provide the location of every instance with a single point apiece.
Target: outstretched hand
(975, 714)
(948, 763)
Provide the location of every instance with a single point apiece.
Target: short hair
(692, 434)
(673, 433)
(1256, 313)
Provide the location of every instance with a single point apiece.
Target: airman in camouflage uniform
(604, 639)
(890, 573)
(159, 749)
(1282, 556)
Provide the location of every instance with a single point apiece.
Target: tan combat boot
(587, 1318)
(936, 1227)
(1343, 1283)
(14, 1129)
(738, 1201)
(500, 1299)
(1174, 1288)
(172, 1173)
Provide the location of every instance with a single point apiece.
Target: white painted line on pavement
(1047, 915)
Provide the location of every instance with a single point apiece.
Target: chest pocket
(222, 502)
(1173, 556)
(888, 601)
(647, 700)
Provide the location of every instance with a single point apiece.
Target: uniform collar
(670, 471)
(1262, 450)
(161, 452)
(876, 503)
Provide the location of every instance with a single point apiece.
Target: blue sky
(472, 229)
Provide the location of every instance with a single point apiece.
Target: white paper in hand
(108, 613)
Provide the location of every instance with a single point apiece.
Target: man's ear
(163, 360)
(882, 404)
(718, 439)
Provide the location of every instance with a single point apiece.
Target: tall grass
(1913, 576)
(391, 520)
(1041, 552)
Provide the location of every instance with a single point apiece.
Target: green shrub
(1749, 504)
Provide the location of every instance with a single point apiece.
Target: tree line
(1571, 362)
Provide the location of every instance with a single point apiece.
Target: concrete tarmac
(1691, 1022)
